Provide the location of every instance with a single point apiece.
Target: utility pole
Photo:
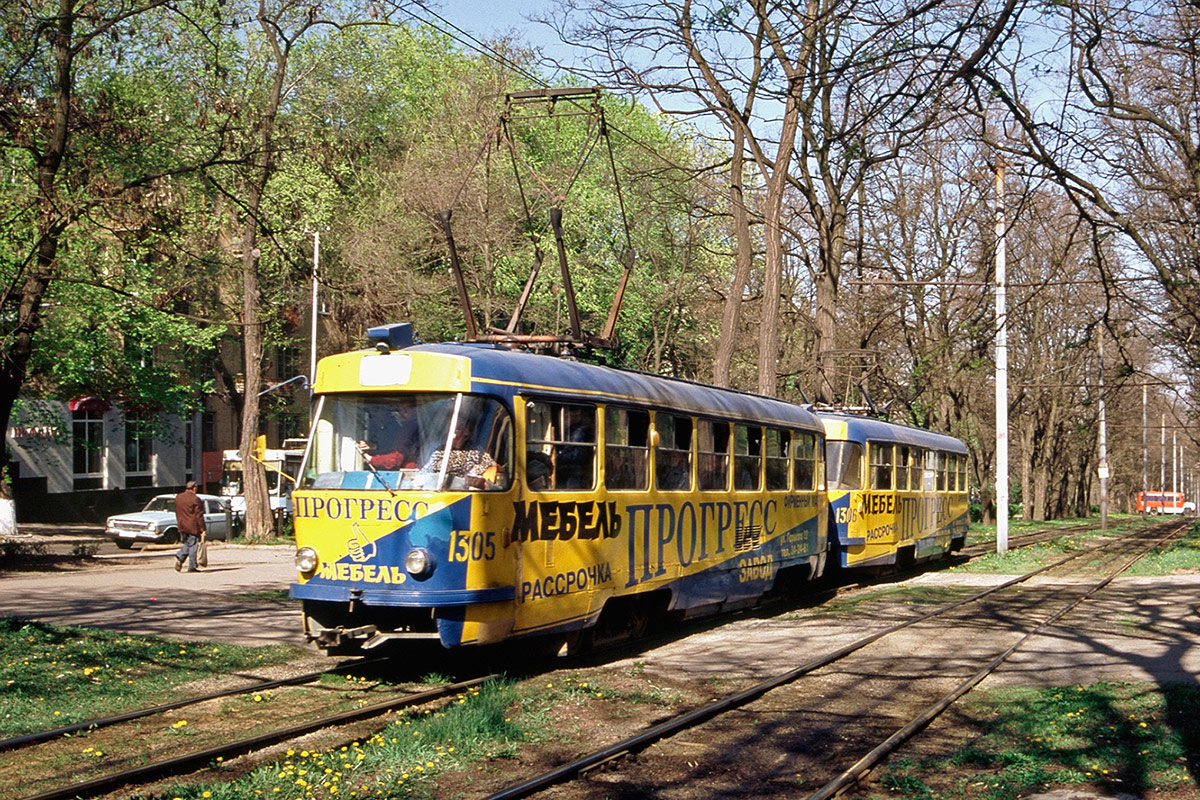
(1145, 448)
(1162, 457)
(1103, 471)
(312, 360)
(1001, 369)
(1174, 461)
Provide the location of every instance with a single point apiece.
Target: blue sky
(486, 19)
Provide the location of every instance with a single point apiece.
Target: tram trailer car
(897, 494)
(578, 501)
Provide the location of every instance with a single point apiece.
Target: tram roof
(862, 429)
(527, 373)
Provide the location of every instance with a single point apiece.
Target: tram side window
(942, 471)
(804, 462)
(930, 470)
(713, 455)
(962, 473)
(881, 465)
(903, 466)
(673, 461)
(916, 469)
(747, 458)
(779, 443)
(626, 449)
(560, 446)
(843, 466)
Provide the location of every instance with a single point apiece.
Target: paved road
(140, 592)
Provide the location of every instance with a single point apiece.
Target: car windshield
(393, 442)
(160, 504)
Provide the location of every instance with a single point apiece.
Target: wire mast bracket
(532, 105)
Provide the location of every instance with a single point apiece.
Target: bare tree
(1123, 142)
(831, 86)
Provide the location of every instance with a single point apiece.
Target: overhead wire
(468, 40)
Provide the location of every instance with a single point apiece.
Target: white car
(155, 524)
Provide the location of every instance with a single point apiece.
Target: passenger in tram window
(539, 471)
(673, 472)
(473, 465)
(575, 461)
(619, 472)
(746, 480)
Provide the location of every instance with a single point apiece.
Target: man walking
(189, 516)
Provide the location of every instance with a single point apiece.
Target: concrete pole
(312, 361)
(1001, 369)
(1145, 447)
(1174, 461)
(1103, 438)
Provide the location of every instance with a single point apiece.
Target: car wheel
(171, 536)
(123, 544)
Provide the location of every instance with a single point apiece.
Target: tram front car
(394, 538)
(469, 494)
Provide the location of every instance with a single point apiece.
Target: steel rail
(102, 722)
(1033, 537)
(179, 764)
(670, 727)
(864, 765)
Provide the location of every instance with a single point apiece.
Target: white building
(82, 460)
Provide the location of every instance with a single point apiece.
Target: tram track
(25, 740)
(185, 762)
(606, 757)
(137, 767)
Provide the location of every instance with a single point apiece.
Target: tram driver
(395, 442)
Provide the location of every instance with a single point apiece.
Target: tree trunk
(259, 523)
(826, 392)
(768, 339)
(1026, 456)
(744, 260)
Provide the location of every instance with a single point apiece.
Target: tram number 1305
(472, 545)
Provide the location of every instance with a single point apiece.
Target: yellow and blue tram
(471, 494)
(897, 494)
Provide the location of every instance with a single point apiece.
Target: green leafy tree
(98, 135)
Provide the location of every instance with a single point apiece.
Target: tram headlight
(306, 560)
(418, 563)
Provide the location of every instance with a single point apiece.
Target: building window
(208, 431)
(139, 444)
(289, 362)
(87, 449)
(291, 426)
(139, 451)
(189, 452)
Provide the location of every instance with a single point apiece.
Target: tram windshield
(399, 442)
